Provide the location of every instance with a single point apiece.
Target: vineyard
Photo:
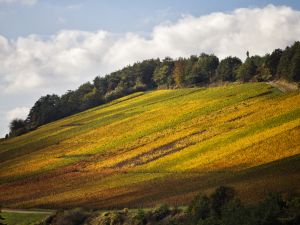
(158, 146)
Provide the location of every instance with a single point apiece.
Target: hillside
(159, 146)
(280, 68)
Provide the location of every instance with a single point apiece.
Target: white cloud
(33, 65)
(67, 57)
(23, 2)
(19, 112)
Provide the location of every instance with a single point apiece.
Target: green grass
(12, 218)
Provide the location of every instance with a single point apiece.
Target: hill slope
(160, 146)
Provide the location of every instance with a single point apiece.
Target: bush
(71, 217)
(140, 218)
(199, 209)
(116, 219)
(161, 212)
(235, 213)
(268, 211)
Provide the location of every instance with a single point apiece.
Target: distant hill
(158, 146)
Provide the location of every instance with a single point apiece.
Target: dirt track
(284, 86)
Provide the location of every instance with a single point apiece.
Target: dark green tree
(16, 124)
(233, 212)
(17, 127)
(258, 60)
(272, 61)
(100, 83)
(199, 209)
(227, 69)
(247, 70)
(45, 110)
(268, 211)
(288, 67)
(219, 198)
(163, 75)
(144, 73)
(68, 104)
(295, 66)
(208, 65)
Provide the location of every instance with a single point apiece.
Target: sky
(51, 46)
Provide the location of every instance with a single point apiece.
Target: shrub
(140, 218)
(70, 217)
(199, 209)
(268, 211)
(235, 213)
(161, 212)
(116, 219)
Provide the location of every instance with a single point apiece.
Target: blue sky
(46, 17)
(52, 46)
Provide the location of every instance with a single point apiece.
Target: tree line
(168, 73)
(221, 207)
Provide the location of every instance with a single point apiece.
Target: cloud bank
(32, 64)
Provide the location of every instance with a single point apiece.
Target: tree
(191, 74)
(86, 96)
(162, 75)
(100, 83)
(263, 73)
(247, 70)
(295, 66)
(144, 72)
(272, 61)
(17, 127)
(199, 209)
(219, 198)
(16, 124)
(235, 213)
(208, 65)
(178, 72)
(268, 211)
(289, 64)
(45, 110)
(227, 69)
(67, 104)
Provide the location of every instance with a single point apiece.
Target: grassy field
(160, 146)
(27, 218)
